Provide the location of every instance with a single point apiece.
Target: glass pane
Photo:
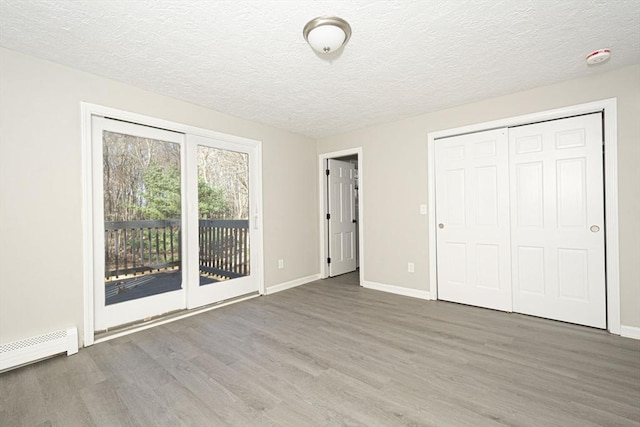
(223, 206)
(142, 211)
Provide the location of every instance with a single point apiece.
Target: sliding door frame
(89, 110)
(609, 109)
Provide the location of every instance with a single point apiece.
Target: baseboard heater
(21, 352)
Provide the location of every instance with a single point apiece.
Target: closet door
(472, 212)
(557, 220)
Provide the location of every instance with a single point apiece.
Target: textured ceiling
(249, 59)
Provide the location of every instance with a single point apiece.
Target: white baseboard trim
(399, 290)
(291, 284)
(630, 332)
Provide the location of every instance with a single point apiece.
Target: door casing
(609, 109)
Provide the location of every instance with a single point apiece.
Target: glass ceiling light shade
(327, 34)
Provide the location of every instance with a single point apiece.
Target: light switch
(423, 209)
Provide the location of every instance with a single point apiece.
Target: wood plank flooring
(333, 353)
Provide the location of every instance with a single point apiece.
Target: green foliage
(211, 203)
(160, 196)
(161, 193)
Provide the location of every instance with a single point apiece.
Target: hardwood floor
(333, 353)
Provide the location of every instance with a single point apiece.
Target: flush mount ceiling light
(327, 34)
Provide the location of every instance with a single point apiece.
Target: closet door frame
(609, 109)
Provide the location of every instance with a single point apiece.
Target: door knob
(441, 226)
(594, 228)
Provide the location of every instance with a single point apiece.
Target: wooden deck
(131, 288)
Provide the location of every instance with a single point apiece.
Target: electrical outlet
(411, 267)
(280, 263)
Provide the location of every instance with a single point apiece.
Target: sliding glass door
(172, 223)
(139, 219)
(224, 189)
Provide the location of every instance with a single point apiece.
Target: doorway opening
(341, 213)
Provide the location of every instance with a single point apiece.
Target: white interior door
(342, 219)
(224, 208)
(557, 220)
(472, 212)
(138, 222)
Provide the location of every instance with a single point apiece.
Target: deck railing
(155, 245)
(224, 247)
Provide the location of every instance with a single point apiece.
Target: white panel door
(472, 212)
(342, 221)
(557, 220)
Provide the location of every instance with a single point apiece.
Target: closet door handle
(441, 226)
(594, 228)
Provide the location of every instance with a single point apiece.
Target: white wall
(395, 168)
(41, 197)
